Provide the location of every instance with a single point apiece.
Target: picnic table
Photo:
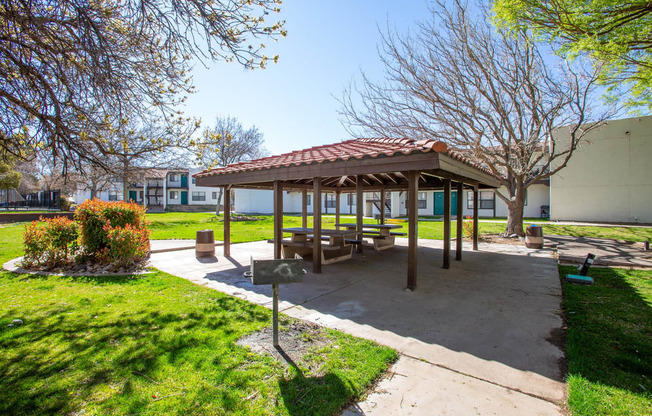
(382, 234)
(337, 245)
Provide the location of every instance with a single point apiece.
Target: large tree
(492, 96)
(9, 179)
(227, 142)
(616, 34)
(73, 69)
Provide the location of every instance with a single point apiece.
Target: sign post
(274, 272)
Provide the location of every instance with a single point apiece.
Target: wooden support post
(413, 221)
(359, 208)
(278, 218)
(447, 223)
(337, 207)
(476, 214)
(316, 226)
(460, 221)
(227, 220)
(382, 206)
(304, 208)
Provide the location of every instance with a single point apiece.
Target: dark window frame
(484, 203)
(422, 203)
(197, 196)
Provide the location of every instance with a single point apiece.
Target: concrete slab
(609, 253)
(415, 387)
(163, 246)
(491, 321)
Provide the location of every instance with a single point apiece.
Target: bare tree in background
(74, 69)
(143, 144)
(486, 93)
(225, 143)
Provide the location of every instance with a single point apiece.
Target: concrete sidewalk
(608, 253)
(480, 338)
(163, 246)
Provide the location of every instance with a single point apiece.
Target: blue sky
(293, 102)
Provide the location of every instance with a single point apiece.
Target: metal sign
(274, 272)
(268, 272)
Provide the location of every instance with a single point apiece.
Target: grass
(609, 343)
(157, 345)
(185, 225)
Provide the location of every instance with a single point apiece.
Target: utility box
(269, 272)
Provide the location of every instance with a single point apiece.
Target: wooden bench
(329, 253)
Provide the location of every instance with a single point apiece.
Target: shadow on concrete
(609, 253)
(496, 306)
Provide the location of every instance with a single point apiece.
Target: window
(214, 195)
(351, 199)
(308, 199)
(140, 195)
(174, 177)
(487, 199)
(113, 195)
(330, 201)
(174, 194)
(194, 181)
(199, 196)
(422, 200)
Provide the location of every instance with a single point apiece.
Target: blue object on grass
(580, 280)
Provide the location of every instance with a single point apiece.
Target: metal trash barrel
(534, 236)
(205, 244)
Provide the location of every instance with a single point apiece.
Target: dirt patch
(296, 340)
(497, 239)
(241, 218)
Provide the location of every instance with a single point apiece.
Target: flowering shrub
(50, 243)
(104, 232)
(125, 245)
(96, 218)
(467, 227)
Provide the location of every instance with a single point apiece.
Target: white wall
(250, 201)
(608, 178)
(207, 190)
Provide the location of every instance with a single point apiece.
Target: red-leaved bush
(103, 232)
(50, 243)
(125, 245)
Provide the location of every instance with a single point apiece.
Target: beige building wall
(609, 178)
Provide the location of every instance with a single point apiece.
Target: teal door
(132, 196)
(439, 203)
(184, 183)
(184, 197)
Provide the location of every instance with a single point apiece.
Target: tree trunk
(219, 199)
(515, 217)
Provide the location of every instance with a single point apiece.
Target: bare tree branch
(491, 95)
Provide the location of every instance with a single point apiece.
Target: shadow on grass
(304, 395)
(609, 339)
(69, 356)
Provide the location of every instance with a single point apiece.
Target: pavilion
(356, 166)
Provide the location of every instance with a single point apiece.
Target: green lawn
(160, 345)
(609, 343)
(185, 225)
(157, 345)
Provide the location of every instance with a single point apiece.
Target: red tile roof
(346, 150)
